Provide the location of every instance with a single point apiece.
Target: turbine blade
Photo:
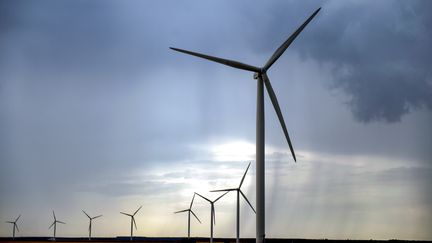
(10, 222)
(227, 62)
(220, 197)
(278, 111)
(192, 201)
(224, 190)
(86, 214)
(130, 215)
(288, 42)
(97, 217)
(203, 197)
(247, 201)
(134, 222)
(181, 211)
(61, 222)
(195, 216)
(16, 226)
(52, 225)
(54, 216)
(137, 210)
(244, 175)
(17, 218)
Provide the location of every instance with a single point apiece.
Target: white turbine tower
(14, 226)
(238, 190)
(90, 223)
(212, 212)
(132, 221)
(260, 74)
(55, 225)
(189, 210)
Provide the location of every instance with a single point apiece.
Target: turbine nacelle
(256, 75)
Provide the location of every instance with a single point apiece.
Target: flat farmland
(191, 240)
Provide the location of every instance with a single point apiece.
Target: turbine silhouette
(132, 221)
(14, 226)
(90, 223)
(189, 210)
(260, 74)
(239, 191)
(212, 212)
(55, 225)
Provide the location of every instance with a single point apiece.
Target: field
(192, 240)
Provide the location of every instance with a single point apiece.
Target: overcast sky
(96, 113)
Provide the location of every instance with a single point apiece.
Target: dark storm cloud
(380, 53)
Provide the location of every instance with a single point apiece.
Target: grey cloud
(148, 188)
(380, 55)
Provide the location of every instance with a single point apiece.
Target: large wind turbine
(90, 223)
(189, 210)
(260, 74)
(14, 226)
(212, 212)
(55, 224)
(238, 190)
(132, 221)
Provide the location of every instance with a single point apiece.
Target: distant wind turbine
(212, 212)
(189, 210)
(14, 226)
(239, 191)
(260, 74)
(132, 221)
(90, 223)
(55, 224)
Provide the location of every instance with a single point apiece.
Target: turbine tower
(239, 191)
(189, 210)
(132, 221)
(212, 212)
(14, 226)
(260, 74)
(55, 225)
(90, 223)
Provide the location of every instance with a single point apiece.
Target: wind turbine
(55, 224)
(132, 220)
(90, 224)
(212, 212)
(15, 226)
(260, 74)
(189, 210)
(239, 191)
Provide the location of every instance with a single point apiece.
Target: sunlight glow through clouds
(329, 185)
(233, 151)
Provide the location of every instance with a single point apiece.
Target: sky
(98, 114)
